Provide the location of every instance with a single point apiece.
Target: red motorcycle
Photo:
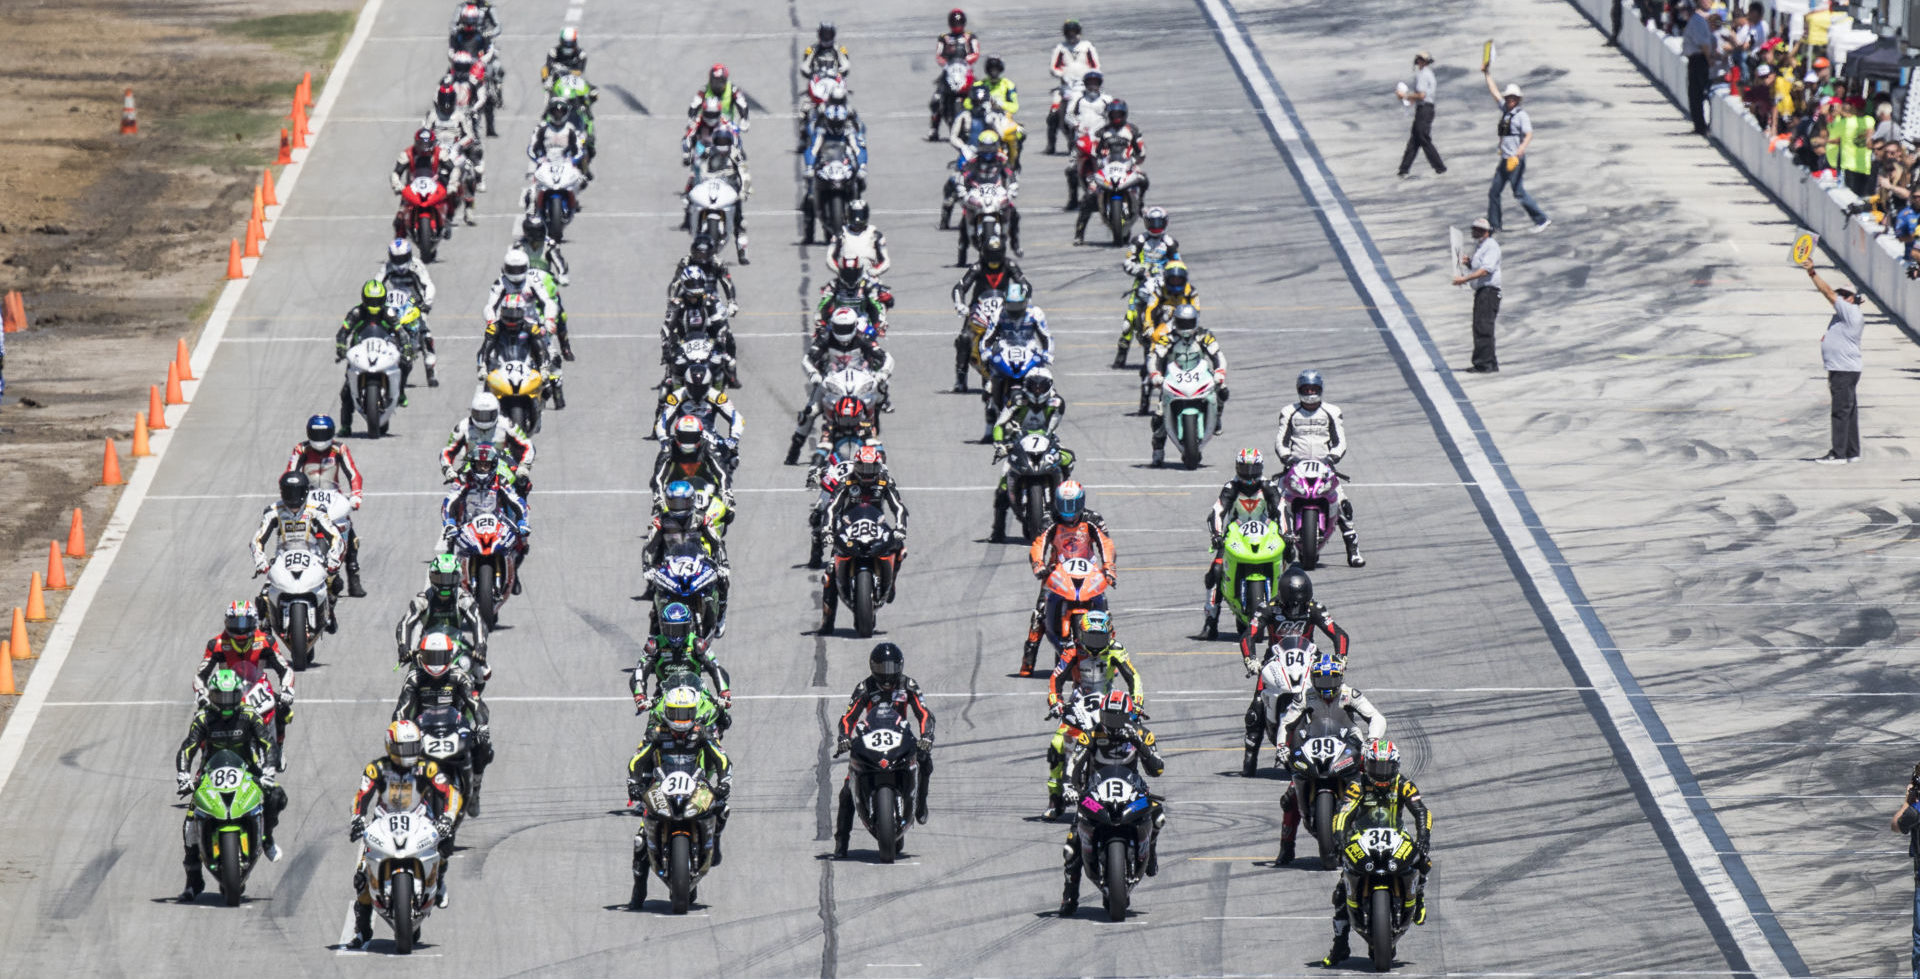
(423, 214)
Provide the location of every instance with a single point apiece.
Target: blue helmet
(679, 496)
(320, 429)
(1014, 307)
(1329, 675)
(1309, 378)
(676, 621)
(1069, 502)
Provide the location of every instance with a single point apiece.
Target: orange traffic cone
(76, 536)
(129, 120)
(110, 469)
(234, 268)
(183, 359)
(56, 571)
(141, 448)
(18, 642)
(286, 149)
(7, 688)
(254, 234)
(299, 127)
(259, 205)
(306, 88)
(174, 395)
(36, 600)
(156, 413)
(266, 188)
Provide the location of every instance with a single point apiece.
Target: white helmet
(485, 412)
(514, 267)
(400, 253)
(844, 324)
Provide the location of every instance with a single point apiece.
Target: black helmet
(1071, 29)
(1117, 112)
(557, 108)
(826, 32)
(847, 272)
(995, 67)
(534, 227)
(1295, 593)
(1176, 276)
(993, 251)
(698, 377)
(293, 488)
(446, 99)
(889, 665)
(241, 620)
(957, 19)
(1039, 383)
(702, 249)
(1248, 466)
(857, 214)
(423, 140)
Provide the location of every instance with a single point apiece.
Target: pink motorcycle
(1310, 494)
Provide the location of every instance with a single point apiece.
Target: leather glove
(745, 125)
(642, 704)
(634, 790)
(449, 532)
(357, 828)
(999, 451)
(1248, 663)
(926, 743)
(356, 501)
(861, 173)
(259, 568)
(842, 746)
(183, 782)
(269, 778)
(1056, 710)
(445, 825)
(1112, 579)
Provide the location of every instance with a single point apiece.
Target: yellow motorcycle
(513, 378)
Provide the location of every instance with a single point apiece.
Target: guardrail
(1871, 257)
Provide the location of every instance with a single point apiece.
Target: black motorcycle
(1380, 869)
(835, 185)
(1035, 470)
(886, 774)
(447, 738)
(865, 551)
(1116, 833)
(1325, 754)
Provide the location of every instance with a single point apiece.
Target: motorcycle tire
(231, 881)
(1190, 445)
(1116, 882)
(886, 823)
(1323, 830)
(1254, 596)
(401, 910)
(833, 214)
(1033, 522)
(486, 592)
(863, 610)
(680, 871)
(556, 217)
(299, 638)
(1308, 545)
(522, 416)
(1380, 929)
(425, 240)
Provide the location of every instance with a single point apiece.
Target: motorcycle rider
(1329, 691)
(1094, 662)
(1077, 531)
(566, 55)
(690, 455)
(453, 126)
(224, 724)
(1000, 88)
(1312, 429)
(988, 166)
(734, 101)
(886, 682)
(1017, 317)
(1118, 136)
(835, 126)
(1292, 612)
(674, 650)
(1073, 59)
(543, 252)
(679, 731)
(445, 605)
(404, 270)
(852, 286)
(1249, 495)
(1034, 406)
(422, 158)
(725, 161)
(841, 339)
(538, 288)
(562, 125)
(868, 482)
(483, 424)
(700, 258)
(1385, 792)
(1083, 116)
(697, 397)
(486, 469)
(1118, 737)
(1150, 253)
(434, 680)
(403, 771)
(957, 44)
(245, 644)
(370, 312)
(860, 241)
(694, 305)
(1186, 334)
(992, 273)
(330, 466)
(511, 322)
(300, 524)
(824, 55)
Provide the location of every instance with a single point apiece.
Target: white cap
(1512, 92)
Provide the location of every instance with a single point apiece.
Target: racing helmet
(403, 744)
(1094, 630)
(513, 268)
(293, 488)
(241, 622)
(688, 436)
(957, 19)
(681, 709)
(869, 464)
(826, 32)
(1038, 383)
(399, 255)
(1381, 759)
(679, 498)
(1175, 277)
(701, 251)
(533, 227)
(443, 582)
(1116, 711)
(835, 117)
(1186, 322)
(481, 460)
(423, 140)
(993, 252)
(857, 214)
(1069, 502)
(569, 41)
(1117, 112)
(1015, 306)
(470, 17)
(887, 664)
(710, 112)
(558, 110)
(1248, 466)
(446, 99)
(676, 623)
(224, 690)
(320, 431)
(847, 271)
(1328, 676)
(436, 654)
(513, 311)
(1091, 80)
(995, 67)
(1309, 386)
(1071, 30)
(1295, 593)
(484, 412)
(844, 326)
(373, 297)
(696, 379)
(717, 78)
(1156, 220)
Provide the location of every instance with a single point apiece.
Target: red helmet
(848, 407)
(717, 77)
(423, 140)
(868, 463)
(470, 17)
(957, 19)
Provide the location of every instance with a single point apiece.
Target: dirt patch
(119, 243)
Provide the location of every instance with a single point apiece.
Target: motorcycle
(1116, 834)
(403, 307)
(1015, 353)
(1255, 551)
(820, 82)
(832, 189)
(488, 546)
(373, 376)
(297, 600)
(680, 825)
(1324, 750)
(952, 85)
(848, 403)
(1283, 677)
(704, 321)
(422, 216)
(886, 774)
(979, 319)
(513, 378)
(447, 738)
(554, 196)
(1189, 403)
(985, 211)
(688, 575)
(1034, 472)
(1081, 586)
(1116, 179)
(1309, 492)
(401, 853)
(700, 350)
(229, 810)
(710, 207)
(865, 548)
(573, 87)
(1380, 869)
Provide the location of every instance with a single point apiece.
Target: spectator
(1421, 93)
(1697, 44)
(1848, 135)
(1824, 85)
(1840, 354)
(1760, 33)
(1740, 46)
(1905, 222)
(1616, 13)
(1907, 821)
(1759, 95)
(1885, 130)
(1483, 273)
(1516, 137)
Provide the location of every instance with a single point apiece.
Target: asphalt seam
(1709, 867)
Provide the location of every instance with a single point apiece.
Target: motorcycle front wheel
(1323, 830)
(486, 592)
(886, 823)
(863, 610)
(1380, 929)
(680, 871)
(230, 880)
(401, 909)
(299, 637)
(1307, 541)
(1116, 869)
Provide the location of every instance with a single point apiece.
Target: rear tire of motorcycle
(863, 611)
(1254, 597)
(1307, 546)
(522, 417)
(1323, 830)
(680, 872)
(230, 880)
(1380, 929)
(555, 217)
(1034, 522)
(886, 823)
(1116, 880)
(486, 594)
(424, 238)
(299, 637)
(401, 909)
(1190, 446)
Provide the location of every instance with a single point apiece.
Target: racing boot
(362, 925)
(1030, 650)
(1286, 850)
(559, 397)
(1250, 761)
(1080, 227)
(816, 548)
(440, 890)
(1070, 896)
(1056, 806)
(1073, 188)
(640, 872)
(1340, 951)
(962, 358)
(1159, 455)
(829, 603)
(1000, 509)
(793, 448)
(740, 248)
(1354, 558)
(566, 348)
(843, 822)
(195, 882)
(1289, 826)
(1420, 901)
(1120, 353)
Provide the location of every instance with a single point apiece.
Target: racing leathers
(357, 321)
(707, 466)
(257, 656)
(828, 58)
(732, 169)
(952, 46)
(867, 245)
(333, 468)
(1358, 709)
(1024, 414)
(1084, 116)
(980, 278)
(1159, 358)
(541, 290)
(663, 659)
(1319, 432)
(242, 732)
(883, 493)
(572, 133)
(906, 700)
(1071, 62)
(1274, 628)
(1147, 257)
(1368, 805)
(715, 769)
(1111, 142)
(867, 297)
(415, 280)
(454, 130)
(820, 359)
(509, 505)
(1085, 538)
(399, 789)
(463, 620)
(438, 164)
(1240, 500)
(303, 527)
(561, 59)
(458, 689)
(514, 448)
(712, 406)
(1131, 746)
(1077, 673)
(542, 355)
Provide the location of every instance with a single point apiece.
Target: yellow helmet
(989, 139)
(682, 707)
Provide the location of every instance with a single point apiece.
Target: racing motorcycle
(447, 737)
(979, 319)
(1081, 586)
(986, 210)
(373, 376)
(422, 215)
(948, 89)
(513, 378)
(1251, 564)
(403, 307)
(488, 546)
(820, 82)
(1116, 179)
(848, 403)
(832, 189)
(296, 599)
(1034, 472)
(1282, 677)
(401, 851)
(1015, 353)
(688, 574)
(554, 195)
(886, 774)
(229, 811)
(1189, 403)
(1380, 868)
(1308, 493)
(721, 368)
(865, 548)
(708, 322)
(710, 207)
(680, 824)
(1324, 754)
(1116, 832)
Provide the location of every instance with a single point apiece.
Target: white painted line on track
(1692, 842)
(59, 641)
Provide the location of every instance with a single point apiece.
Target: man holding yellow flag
(1516, 137)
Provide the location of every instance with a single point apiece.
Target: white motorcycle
(710, 208)
(554, 192)
(373, 378)
(1189, 402)
(297, 599)
(401, 854)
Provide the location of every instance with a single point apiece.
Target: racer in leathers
(370, 313)
(299, 524)
(1118, 139)
(824, 55)
(565, 56)
(1292, 613)
(1377, 799)
(860, 241)
(1249, 495)
(842, 340)
(697, 397)
(329, 465)
(434, 680)
(1073, 59)
(484, 425)
(403, 772)
(836, 126)
(1328, 692)
(1150, 253)
(445, 605)
(693, 305)
(563, 126)
(1312, 429)
(423, 158)
(543, 252)
(1118, 737)
(1093, 663)
(678, 520)
(699, 257)
(513, 321)
(453, 127)
(540, 290)
(987, 167)
(689, 455)
(887, 682)
(224, 724)
(485, 470)
(1021, 322)
(994, 272)
(679, 731)
(727, 162)
(867, 482)
(853, 286)
(1033, 406)
(675, 650)
(404, 270)
(251, 651)
(1000, 88)
(734, 102)
(1186, 334)
(957, 44)
(1077, 532)
(1083, 116)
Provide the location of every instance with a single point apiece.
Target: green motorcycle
(1254, 553)
(228, 812)
(577, 92)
